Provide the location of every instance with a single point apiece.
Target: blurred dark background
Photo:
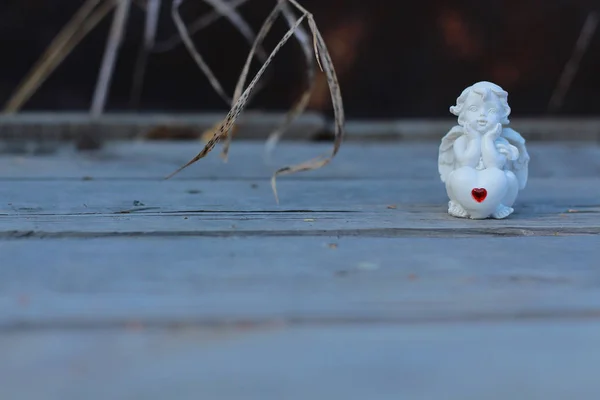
(395, 59)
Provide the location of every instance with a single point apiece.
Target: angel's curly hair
(485, 89)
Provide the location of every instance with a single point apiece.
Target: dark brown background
(394, 58)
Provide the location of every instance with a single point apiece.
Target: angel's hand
(472, 133)
(509, 151)
(496, 132)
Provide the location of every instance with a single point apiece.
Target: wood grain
(142, 160)
(115, 283)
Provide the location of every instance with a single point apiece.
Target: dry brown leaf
(392, 206)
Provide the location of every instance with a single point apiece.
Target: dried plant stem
(110, 56)
(201, 23)
(298, 108)
(568, 74)
(241, 97)
(187, 40)
(312, 25)
(326, 64)
(240, 104)
(150, 30)
(84, 21)
(238, 22)
(260, 37)
(141, 4)
(302, 103)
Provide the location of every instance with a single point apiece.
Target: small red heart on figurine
(479, 194)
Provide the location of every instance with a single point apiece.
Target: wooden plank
(550, 361)
(139, 160)
(309, 205)
(542, 197)
(204, 287)
(534, 129)
(210, 282)
(124, 126)
(257, 125)
(297, 224)
(382, 207)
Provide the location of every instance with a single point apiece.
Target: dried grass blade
(310, 18)
(187, 40)
(587, 32)
(110, 56)
(142, 4)
(201, 23)
(84, 20)
(240, 104)
(302, 103)
(238, 22)
(337, 103)
(150, 30)
(239, 88)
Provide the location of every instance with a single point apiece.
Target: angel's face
(482, 115)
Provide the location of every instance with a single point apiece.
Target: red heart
(479, 194)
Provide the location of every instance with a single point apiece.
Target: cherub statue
(483, 163)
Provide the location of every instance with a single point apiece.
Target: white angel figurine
(483, 163)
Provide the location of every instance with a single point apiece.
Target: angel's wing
(520, 166)
(504, 147)
(446, 162)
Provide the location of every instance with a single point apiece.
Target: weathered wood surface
(434, 361)
(69, 126)
(152, 160)
(115, 283)
(210, 281)
(257, 124)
